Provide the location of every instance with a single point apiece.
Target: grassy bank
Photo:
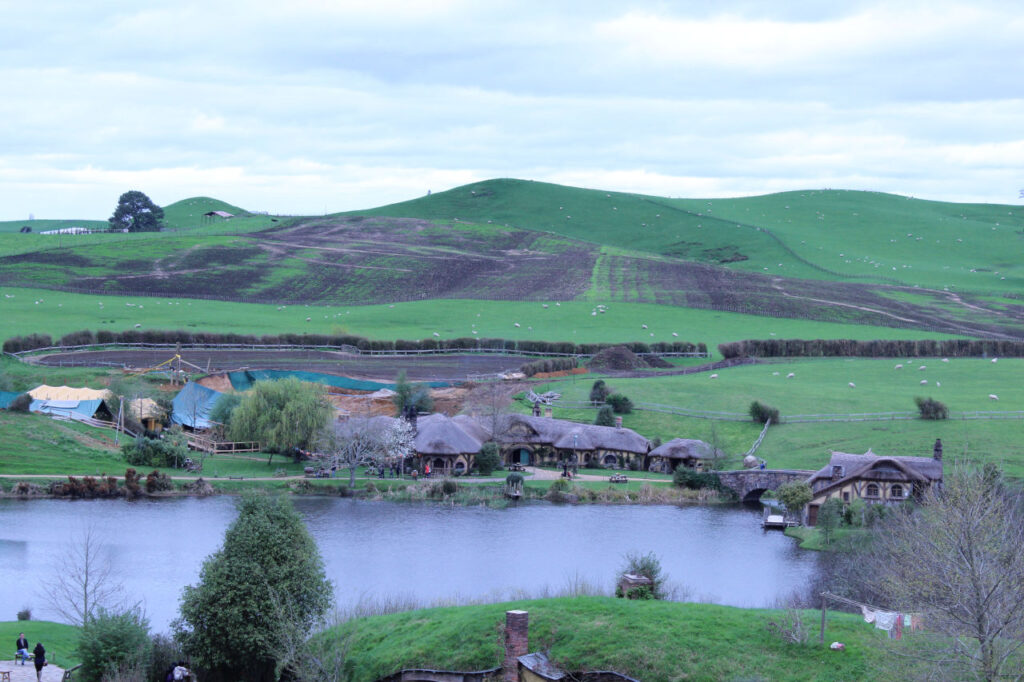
(646, 640)
(59, 640)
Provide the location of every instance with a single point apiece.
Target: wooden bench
(18, 656)
(5, 676)
(618, 478)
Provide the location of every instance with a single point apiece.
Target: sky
(314, 106)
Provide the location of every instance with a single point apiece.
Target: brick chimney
(517, 643)
(837, 472)
(618, 422)
(937, 450)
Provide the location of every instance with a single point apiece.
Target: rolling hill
(814, 255)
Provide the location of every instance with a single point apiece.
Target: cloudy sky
(308, 106)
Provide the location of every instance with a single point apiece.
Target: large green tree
(136, 212)
(264, 588)
(282, 415)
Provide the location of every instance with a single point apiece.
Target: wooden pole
(821, 637)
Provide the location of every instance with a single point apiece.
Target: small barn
(78, 410)
(147, 412)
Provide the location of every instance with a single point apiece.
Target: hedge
(828, 348)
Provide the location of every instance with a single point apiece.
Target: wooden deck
(214, 447)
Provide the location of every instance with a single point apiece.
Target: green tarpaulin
(243, 380)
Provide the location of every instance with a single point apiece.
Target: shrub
(794, 495)
(111, 641)
(157, 482)
(649, 566)
(605, 416)
(155, 452)
(931, 409)
(761, 413)
(488, 460)
(830, 517)
(20, 403)
(25, 613)
(599, 392)
(620, 403)
(449, 487)
(685, 477)
(514, 479)
(560, 485)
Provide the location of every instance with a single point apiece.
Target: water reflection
(427, 553)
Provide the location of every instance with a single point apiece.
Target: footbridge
(750, 484)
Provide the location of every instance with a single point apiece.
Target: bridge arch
(750, 484)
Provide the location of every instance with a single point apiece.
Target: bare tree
(83, 580)
(958, 560)
(489, 403)
(362, 441)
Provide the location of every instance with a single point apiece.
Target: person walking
(22, 647)
(40, 654)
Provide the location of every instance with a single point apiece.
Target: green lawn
(58, 313)
(648, 640)
(59, 640)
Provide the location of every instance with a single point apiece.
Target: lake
(426, 553)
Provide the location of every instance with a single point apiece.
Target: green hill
(45, 225)
(826, 234)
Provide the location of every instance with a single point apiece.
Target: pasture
(56, 313)
(820, 386)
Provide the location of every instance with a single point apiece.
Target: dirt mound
(617, 357)
(217, 382)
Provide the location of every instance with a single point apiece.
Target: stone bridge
(749, 484)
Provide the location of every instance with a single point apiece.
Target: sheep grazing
(922, 368)
(308, 319)
(938, 384)
(790, 375)
(674, 334)
(775, 374)
(593, 313)
(995, 359)
(643, 326)
(898, 367)
(713, 376)
(924, 381)
(515, 324)
(545, 305)
(436, 334)
(137, 326)
(945, 359)
(993, 396)
(852, 385)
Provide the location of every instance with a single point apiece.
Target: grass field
(58, 313)
(59, 640)
(648, 640)
(820, 387)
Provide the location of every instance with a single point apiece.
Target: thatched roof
(686, 448)
(145, 408)
(437, 434)
(521, 428)
(870, 465)
(473, 427)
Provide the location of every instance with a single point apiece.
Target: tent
(44, 392)
(73, 409)
(6, 398)
(192, 406)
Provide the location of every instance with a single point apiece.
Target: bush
(620, 403)
(449, 487)
(514, 479)
(20, 403)
(761, 413)
(685, 477)
(649, 566)
(598, 392)
(157, 482)
(931, 409)
(155, 452)
(830, 517)
(25, 613)
(560, 485)
(488, 460)
(112, 641)
(605, 416)
(794, 495)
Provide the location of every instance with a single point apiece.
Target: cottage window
(872, 490)
(896, 491)
(846, 496)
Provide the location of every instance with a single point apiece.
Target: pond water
(381, 550)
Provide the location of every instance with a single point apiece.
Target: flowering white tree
(362, 441)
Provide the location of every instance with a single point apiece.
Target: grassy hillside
(60, 640)
(826, 234)
(56, 313)
(44, 225)
(647, 640)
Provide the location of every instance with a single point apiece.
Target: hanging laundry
(885, 620)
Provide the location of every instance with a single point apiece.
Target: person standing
(22, 647)
(40, 654)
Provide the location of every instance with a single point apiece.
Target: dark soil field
(383, 369)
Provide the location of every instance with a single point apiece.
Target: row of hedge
(548, 365)
(878, 348)
(86, 337)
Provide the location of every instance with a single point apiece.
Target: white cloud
(314, 105)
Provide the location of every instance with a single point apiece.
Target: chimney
(517, 643)
(618, 422)
(549, 412)
(837, 472)
(937, 450)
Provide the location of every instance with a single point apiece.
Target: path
(27, 672)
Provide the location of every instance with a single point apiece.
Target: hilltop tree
(136, 212)
(411, 397)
